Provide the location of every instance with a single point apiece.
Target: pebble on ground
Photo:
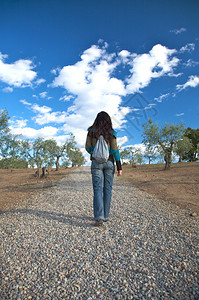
(51, 250)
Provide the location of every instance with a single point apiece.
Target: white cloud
(142, 147)
(8, 89)
(44, 114)
(191, 63)
(18, 123)
(41, 109)
(122, 140)
(66, 98)
(55, 71)
(17, 74)
(40, 81)
(25, 102)
(90, 80)
(126, 56)
(188, 48)
(192, 82)
(147, 66)
(31, 133)
(43, 94)
(94, 86)
(19, 127)
(178, 31)
(179, 115)
(124, 53)
(80, 134)
(61, 139)
(161, 98)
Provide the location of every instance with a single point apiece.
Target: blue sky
(61, 62)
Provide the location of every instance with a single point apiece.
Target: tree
(13, 163)
(76, 157)
(182, 147)
(55, 152)
(9, 145)
(5, 135)
(60, 152)
(74, 153)
(137, 156)
(65, 162)
(126, 154)
(150, 153)
(36, 153)
(193, 135)
(4, 118)
(133, 155)
(165, 137)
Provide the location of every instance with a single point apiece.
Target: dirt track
(51, 250)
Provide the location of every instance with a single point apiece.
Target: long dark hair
(101, 126)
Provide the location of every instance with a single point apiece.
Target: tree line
(160, 142)
(164, 142)
(16, 152)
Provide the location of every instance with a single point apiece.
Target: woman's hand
(119, 173)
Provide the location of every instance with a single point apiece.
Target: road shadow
(74, 220)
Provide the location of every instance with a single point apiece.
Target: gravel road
(51, 250)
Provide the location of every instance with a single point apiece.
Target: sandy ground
(179, 185)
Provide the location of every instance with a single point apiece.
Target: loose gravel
(51, 250)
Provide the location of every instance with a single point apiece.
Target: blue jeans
(102, 178)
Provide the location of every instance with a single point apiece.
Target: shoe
(106, 220)
(98, 223)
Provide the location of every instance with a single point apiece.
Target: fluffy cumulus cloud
(45, 115)
(145, 67)
(19, 127)
(17, 74)
(193, 81)
(93, 83)
(95, 88)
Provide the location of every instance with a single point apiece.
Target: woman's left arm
(116, 154)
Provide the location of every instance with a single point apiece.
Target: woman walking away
(103, 173)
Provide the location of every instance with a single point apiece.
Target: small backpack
(101, 151)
